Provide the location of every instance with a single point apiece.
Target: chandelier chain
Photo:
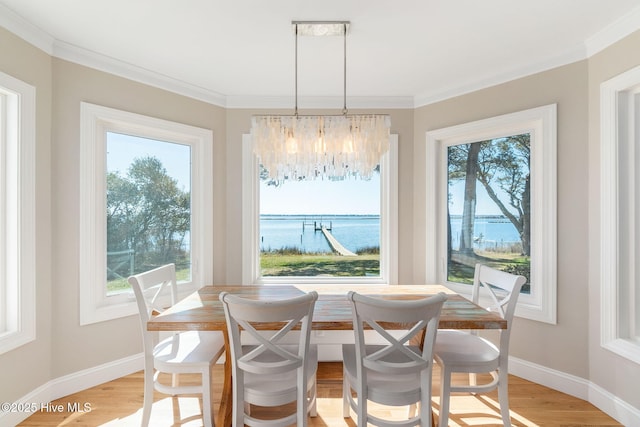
(296, 70)
(344, 51)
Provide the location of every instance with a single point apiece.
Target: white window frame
(541, 303)
(17, 213)
(619, 174)
(388, 224)
(95, 122)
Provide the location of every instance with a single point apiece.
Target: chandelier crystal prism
(304, 147)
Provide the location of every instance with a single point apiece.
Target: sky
(122, 150)
(484, 204)
(351, 196)
(322, 197)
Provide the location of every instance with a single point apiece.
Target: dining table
(203, 311)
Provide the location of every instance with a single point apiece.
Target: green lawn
(319, 264)
(461, 269)
(120, 285)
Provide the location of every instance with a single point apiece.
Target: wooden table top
(203, 311)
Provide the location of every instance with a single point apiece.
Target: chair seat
(383, 388)
(187, 350)
(464, 352)
(276, 389)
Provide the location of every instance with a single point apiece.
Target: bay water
(356, 232)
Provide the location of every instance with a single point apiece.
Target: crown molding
(578, 53)
(613, 33)
(114, 66)
(22, 28)
(42, 40)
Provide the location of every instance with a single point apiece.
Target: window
(620, 214)
(17, 213)
(288, 226)
(148, 208)
(150, 182)
(488, 212)
(492, 200)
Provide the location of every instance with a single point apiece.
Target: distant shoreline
(316, 216)
(321, 216)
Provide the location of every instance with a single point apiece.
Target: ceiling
(240, 53)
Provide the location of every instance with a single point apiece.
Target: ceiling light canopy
(320, 146)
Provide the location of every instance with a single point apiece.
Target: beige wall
(567, 87)
(79, 347)
(611, 372)
(29, 366)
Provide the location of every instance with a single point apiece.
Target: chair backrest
(150, 289)
(503, 289)
(418, 316)
(268, 322)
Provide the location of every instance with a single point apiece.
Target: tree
(502, 166)
(469, 206)
(147, 213)
(506, 162)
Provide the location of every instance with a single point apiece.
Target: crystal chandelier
(320, 146)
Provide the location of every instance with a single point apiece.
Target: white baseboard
(615, 407)
(92, 377)
(39, 396)
(557, 380)
(73, 383)
(578, 387)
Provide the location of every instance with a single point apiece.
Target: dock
(335, 245)
(317, 225)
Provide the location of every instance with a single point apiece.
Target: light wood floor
(119, 403)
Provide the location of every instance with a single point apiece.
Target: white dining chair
(394, 373)
(189, 352)
(273, 372)
(465, 352)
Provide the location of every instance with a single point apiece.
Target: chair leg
(148, 394)
(238, 399)
(207, 410)
(445, 394)
(425, 414)
(503, 397)
(302, 402)
(346, 406)
(424, 405)
(362, 410)
(313, 410)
